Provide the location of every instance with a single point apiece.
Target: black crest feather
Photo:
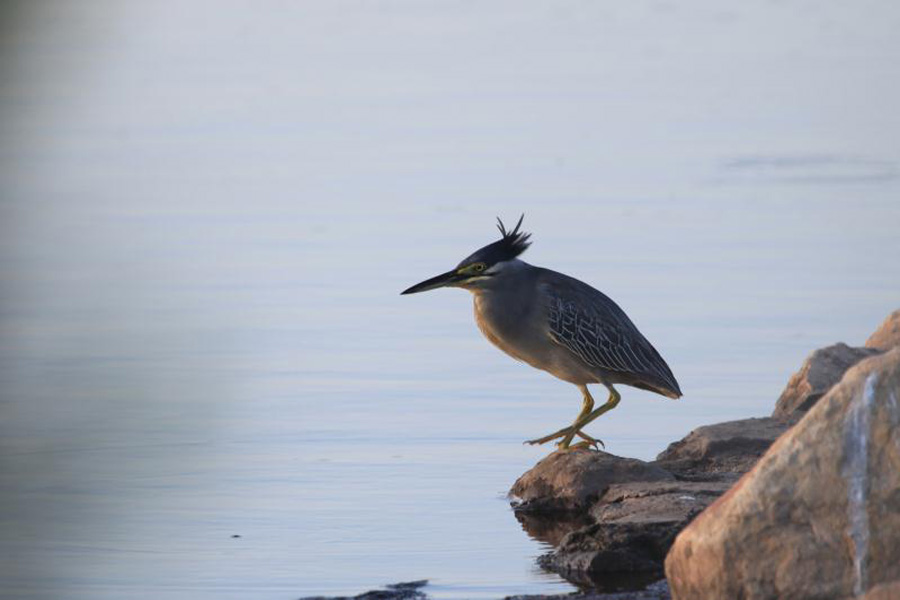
(512, 244)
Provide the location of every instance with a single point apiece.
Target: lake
(211, 387)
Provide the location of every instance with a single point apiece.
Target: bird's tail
(663, 389)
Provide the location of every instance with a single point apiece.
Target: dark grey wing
(591, 325)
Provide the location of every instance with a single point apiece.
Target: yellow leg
(574, 429)
(613, 401)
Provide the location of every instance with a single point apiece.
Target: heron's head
(484, 265)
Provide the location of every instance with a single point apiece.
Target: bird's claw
(586, 445)
(589, 442)
(580, 446)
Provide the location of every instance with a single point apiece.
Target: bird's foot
(543, 440)
(589, 442)
(580, 446)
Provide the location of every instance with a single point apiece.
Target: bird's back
(597, 331)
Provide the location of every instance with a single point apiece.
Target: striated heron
(558, 324)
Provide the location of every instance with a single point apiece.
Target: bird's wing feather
(590, 324)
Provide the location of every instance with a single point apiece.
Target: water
(209, 210)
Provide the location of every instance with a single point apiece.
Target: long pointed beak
(442, 280)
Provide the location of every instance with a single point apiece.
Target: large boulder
(887, 335)
(884, 591)
(574, 480)
(819, 515)
(722, 451)
(821, 370)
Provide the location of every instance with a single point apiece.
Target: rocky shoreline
(608, 516)
(804, 503)
(822, 469)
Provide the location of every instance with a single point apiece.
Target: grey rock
(723, 451)
(636, 524)
(664, 501)
(573, 481)
(819, 373)
(601, 548)
(887, 335)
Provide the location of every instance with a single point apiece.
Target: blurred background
(210, 385)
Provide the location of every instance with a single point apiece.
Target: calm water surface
(209, 210)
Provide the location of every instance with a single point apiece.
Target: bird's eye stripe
(473, 268)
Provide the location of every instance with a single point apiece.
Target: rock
(635, 526)
(722, 451)
(887, 335)
(884, 591)
(611, 517)
(663, 501)
(822, 369)
(572, 481)
(409, 590)
(819, 515)
(625, 547)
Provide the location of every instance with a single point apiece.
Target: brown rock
(566, 481)
(884, 591)
(819, 515)
(887, 335)
(721, 451)
(822, 369)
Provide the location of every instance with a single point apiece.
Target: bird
(558, 324)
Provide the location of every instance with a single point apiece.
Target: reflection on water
(208, 213)
(551, 528)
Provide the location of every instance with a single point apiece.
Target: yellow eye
(479, 267)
